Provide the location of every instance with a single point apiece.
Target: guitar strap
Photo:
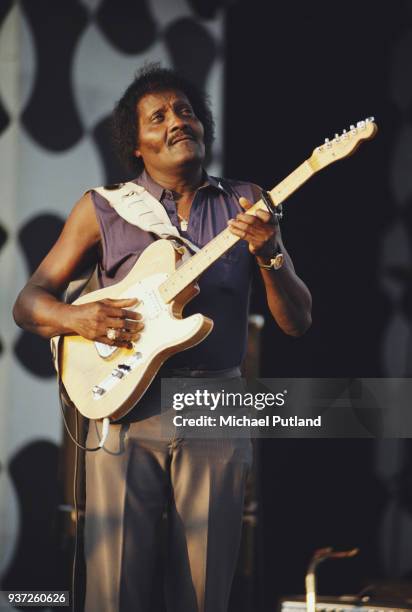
(138, 207)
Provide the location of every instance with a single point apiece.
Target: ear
(137, 153)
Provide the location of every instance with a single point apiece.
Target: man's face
(170, 136)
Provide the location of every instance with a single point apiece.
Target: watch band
(276, 261)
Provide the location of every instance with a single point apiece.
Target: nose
(177, 125)
(176, 122)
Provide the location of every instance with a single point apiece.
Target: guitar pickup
(116, 375)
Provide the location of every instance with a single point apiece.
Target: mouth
(182, 139)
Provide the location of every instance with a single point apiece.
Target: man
(164, 129)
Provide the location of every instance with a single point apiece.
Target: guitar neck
(189, 271)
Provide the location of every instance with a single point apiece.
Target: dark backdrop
(296, 73)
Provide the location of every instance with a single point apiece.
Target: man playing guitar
(164, 130)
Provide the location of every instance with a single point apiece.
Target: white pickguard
(150, 306)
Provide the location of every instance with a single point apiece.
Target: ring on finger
(111, 333)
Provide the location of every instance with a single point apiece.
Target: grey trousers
(129, 484)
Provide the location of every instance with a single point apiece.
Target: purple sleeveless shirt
(224, 287)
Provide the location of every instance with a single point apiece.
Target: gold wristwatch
(275, 262)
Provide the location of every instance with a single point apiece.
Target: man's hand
(93, 320)
(259, 231)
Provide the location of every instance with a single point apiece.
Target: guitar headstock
(343, 145)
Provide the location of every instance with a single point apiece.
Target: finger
(127, 340)
(126, 336)
(254, 229)
(122, 313)
(133, 326)
(241, 233)
(121, 303)
(131, 314)
(240, 227)
(250, 219)
(105, 340)
(261, 216)
(124, 340)
(245, 203)
(119, 343)
(264, 216)
(117, 324)
(240, 224)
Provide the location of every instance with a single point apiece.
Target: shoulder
(97, 195)
(83, 207)
(105, 196)
(82, 219)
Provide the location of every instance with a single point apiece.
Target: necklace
(183, 223)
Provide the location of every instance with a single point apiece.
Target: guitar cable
(76, 514)
(74, 439)
(105, 428)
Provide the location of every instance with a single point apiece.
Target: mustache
(184, 133)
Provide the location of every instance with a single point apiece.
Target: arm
(38, 307)
(288, 298)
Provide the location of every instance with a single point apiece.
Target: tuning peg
(337, 137)
(360, 125)
(352, 128)
(344, 134)
(327, 142)
(369, 119)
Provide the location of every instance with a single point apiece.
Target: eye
(157, 118)
(187, 111)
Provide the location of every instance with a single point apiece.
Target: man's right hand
(93, 320)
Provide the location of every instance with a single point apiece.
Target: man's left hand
(259, 231)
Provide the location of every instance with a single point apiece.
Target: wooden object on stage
(344, 604)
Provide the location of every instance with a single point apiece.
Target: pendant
(183, 225)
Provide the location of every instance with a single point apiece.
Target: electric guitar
(105, 381)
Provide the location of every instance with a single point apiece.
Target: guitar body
(104, 381)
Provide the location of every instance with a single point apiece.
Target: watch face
(277, 262)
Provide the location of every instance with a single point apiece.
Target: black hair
(152, 78)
